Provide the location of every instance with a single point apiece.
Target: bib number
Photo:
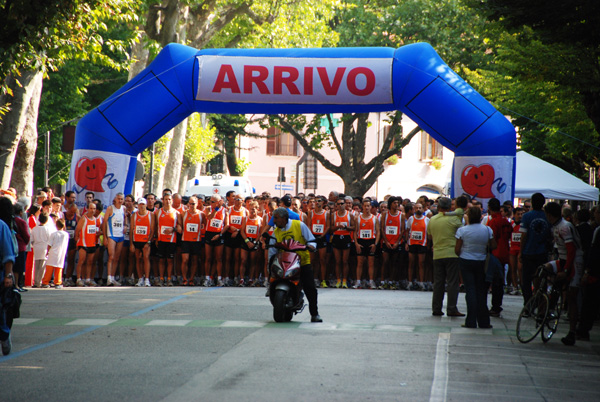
(141, 230)
(251, 229)
(516, 237)
(236, 220)
(216, 223)
(191, 227)
(366, 234)
(318, 228)
(418, 236)
(91, 230)
(391, 230)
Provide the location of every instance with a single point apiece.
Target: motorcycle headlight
(292, 272)
(276, 270)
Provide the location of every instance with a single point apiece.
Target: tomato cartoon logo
(89, 173)
(477, 181)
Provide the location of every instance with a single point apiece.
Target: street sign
(285, 187)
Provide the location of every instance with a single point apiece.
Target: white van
(219, 184)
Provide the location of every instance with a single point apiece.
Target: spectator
(502, 233)
(441, 233)
(57, 251)
(40, 235)
(535, 239)
(471, 244)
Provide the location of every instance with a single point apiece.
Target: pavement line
(439, 386)
(162, 304)
(87, 330)
(47, 344)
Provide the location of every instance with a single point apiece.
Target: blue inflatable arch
(182, 80)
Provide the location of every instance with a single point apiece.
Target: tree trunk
(229, 144)
(22, 177)
(159, 172)
(13, 123)
(173, 165)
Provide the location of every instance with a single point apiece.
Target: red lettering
(279, 80)
(331, 88)
(226, 80)
(259, 80)
(308, 80)
(351, 81)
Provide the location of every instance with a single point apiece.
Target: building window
(430, 148)
(386, 132)
(281, 143)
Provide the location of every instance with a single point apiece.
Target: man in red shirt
(502, 232)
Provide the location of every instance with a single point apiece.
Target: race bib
(91, 230)
(163, 230)
(191, 227)
(141, 230)
(251, 229)
(117, 224)
(416, 235)
(71, 233)
(216, 223)
(516, 237)
(318, 228)
(391, 230)
(236, 220)
(366, 234)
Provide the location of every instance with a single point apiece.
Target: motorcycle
(285, 287)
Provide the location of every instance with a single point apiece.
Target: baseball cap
(142, 201)
(286, 200)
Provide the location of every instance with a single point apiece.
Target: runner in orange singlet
(191, 223)
(142, 226)
(166, 227)
(86, 237)
(318, 223)
(367, 235)
(250, 231)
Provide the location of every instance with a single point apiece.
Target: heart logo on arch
(477, 181)
(89, 173)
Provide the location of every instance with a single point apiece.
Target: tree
(547, 70)
(37, 37)
(213, 23)
(449, 26)
(358, 176)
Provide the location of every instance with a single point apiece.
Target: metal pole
(47, 159)
(151, 176)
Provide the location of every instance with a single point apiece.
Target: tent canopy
(537, 176)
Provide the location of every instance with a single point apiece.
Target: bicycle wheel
(551, 324)
(532, 317)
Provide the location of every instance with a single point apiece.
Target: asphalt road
(220, 344)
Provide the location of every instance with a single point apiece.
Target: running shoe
(324, 284)
(357, 285)
(344, 284)
(140, 283)
(338, 284)
(372, 285)
(80, 283)
(147, 283)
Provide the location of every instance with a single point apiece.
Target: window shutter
(272, 141)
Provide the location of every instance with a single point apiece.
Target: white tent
(537, 176)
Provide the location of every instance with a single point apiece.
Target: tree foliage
(45, 33)
(546, 75)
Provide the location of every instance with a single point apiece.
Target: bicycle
(542, 311)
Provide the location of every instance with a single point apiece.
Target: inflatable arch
(182, 80)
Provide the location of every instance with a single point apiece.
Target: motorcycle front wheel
(279, 302)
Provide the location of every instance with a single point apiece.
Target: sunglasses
(341, 203)
(191, 203)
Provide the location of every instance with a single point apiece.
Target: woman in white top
(471, 247)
